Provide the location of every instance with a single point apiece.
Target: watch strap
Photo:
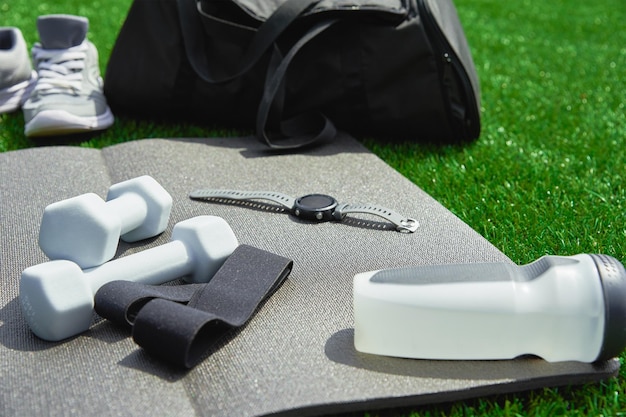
(402, 223)
(279, 198)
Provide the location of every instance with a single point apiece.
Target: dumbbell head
(86, 230)
(57, 296)
(158, 203)
(61, 304)
(209, 241)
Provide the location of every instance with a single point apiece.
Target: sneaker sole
(60, 122)
(13, 97)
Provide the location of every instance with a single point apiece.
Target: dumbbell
(57, 297)
(86, 229)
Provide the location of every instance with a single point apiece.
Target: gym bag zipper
(452, 71)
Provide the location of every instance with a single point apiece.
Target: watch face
(315, 207)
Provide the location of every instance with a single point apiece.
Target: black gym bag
(295, 69)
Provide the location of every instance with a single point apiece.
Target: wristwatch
(314, 207)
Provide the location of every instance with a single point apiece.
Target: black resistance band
(181, 323)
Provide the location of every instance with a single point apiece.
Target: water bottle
(560, 308)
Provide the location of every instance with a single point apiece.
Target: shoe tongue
(62, 31)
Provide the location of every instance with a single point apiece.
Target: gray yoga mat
(296, 355)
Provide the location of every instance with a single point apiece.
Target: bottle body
(552, 308)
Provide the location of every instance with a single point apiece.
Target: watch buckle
(407, 225)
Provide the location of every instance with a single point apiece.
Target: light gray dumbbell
(86, 229)
(57, 297)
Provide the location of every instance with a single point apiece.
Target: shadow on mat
(16, 335)
(340, 349)
(251, 147)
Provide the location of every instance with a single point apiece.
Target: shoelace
(60, 70)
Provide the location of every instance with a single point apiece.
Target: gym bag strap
(262, 41)
(182, 324)
(294, 69)
(297, 132)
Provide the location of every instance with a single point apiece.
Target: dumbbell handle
(152, 266)
(130, 208)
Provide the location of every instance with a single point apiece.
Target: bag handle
(265, 37)
(296, 132)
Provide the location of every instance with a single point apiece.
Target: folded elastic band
(120, 301)
(182, 323)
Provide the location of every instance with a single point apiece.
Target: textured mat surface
(295, 357)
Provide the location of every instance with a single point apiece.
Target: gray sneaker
(68, 96)
(17, 77)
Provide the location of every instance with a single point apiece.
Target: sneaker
(68, 96)
(17, 77)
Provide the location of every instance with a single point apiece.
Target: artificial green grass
(545, 177)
